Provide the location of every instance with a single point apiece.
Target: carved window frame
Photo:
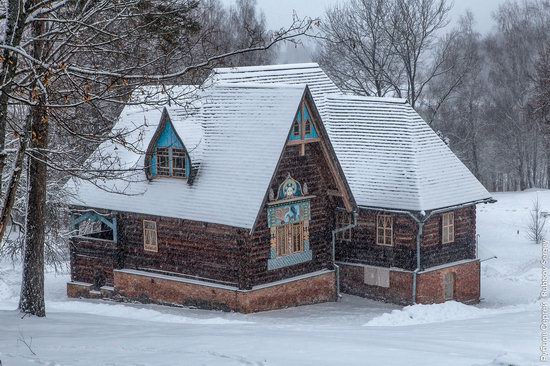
(150, 239)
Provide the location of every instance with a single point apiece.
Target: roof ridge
(257, 85)
(343, 95)
(304, 65)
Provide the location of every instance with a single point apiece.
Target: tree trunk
(32, 288)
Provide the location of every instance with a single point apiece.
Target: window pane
(178, 162)
(163, 161)
(296, 128)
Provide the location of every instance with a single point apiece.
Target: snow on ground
(502, 330)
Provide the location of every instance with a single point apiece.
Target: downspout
(418, 242)
(337, 267)
(419, 233)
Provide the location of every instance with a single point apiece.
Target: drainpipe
(418, 242)
(337, 267)
(420, 223)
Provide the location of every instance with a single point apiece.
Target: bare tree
(511, 57)
(536, 229)
(456, 101)
(89, 55)
(413, 30)
(356, 49)
(393, 48)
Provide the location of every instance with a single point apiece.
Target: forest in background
(485, 95)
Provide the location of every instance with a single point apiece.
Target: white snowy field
(502, 330)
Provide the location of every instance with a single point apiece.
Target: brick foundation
(170, 290)
(430, 284)
(352, 282)
(430, 287)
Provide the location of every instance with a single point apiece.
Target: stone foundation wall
(467, 283)
(352, 281)
(170, 290)
(430, 284)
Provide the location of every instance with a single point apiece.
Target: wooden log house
(277, 191)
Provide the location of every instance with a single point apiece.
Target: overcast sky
(279, 12)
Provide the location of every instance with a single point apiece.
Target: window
(178, 162)
(93, 225)
(384, 230)
(150, 236)
(448, 227)
(307, 127)
(89, 228)
(296, 128)
(163, 161)
(343, 219)
(171, 162)
(290, 239)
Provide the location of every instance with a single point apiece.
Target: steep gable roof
(391, 158)
(243, 130)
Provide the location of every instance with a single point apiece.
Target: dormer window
(166, 155)
(170, 162)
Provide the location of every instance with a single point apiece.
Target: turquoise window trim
(275, 262)
(94, 216)
(301, 120)
(170, 140)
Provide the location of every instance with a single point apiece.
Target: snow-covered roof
(392, 159)
(306, 73)
(241, 132)
(390, 156)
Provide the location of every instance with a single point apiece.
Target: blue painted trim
(94, 216)
(301, 120)
(169, 139)
(290, 260)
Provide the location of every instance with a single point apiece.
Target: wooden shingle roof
(240, 132)
(391, 158)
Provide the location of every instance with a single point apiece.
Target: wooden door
(449, 286)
